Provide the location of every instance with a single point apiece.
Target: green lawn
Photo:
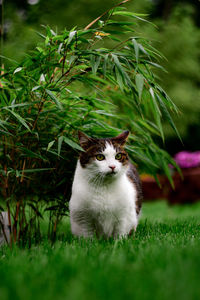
(161, 262)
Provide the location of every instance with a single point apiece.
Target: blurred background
(177, 36)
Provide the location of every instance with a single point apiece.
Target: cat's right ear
(84, 140)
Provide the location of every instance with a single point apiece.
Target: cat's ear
(84, 140)
(121, 138)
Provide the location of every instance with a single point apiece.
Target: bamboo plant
(99, 79)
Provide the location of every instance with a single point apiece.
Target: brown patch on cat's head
(121, 138)
(94, 146)
(85, 141)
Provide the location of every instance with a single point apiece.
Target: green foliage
(184, 81)
(178, 39)
(72, 82)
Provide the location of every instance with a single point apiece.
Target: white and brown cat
(106, 193)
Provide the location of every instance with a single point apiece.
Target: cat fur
(105, 205)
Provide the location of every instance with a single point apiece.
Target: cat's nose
(112, 167)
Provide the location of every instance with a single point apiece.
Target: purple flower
(187, 159)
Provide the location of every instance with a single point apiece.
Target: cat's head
(104, 158)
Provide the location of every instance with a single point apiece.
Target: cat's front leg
(132, 232)
(81, 223)
(125, 229)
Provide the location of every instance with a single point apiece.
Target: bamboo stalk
(9, 223)
(102, 15)
(23, 168)
(16, 221)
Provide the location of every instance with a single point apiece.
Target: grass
(161, 262)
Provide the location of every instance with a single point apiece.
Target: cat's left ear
(84, 140)
(121, 138)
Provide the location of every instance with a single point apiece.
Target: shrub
(76, 80)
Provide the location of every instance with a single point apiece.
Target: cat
(106, 192)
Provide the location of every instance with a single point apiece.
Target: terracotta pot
(187, 189)
(151, 190)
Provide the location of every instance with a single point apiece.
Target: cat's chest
(116, 196)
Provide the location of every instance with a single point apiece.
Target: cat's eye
(100, 157)
(118, 156)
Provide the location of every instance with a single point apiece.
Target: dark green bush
(72, 81)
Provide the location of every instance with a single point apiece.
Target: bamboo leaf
(17, 70)
(119, 79)
(119, 23)
(155, 65)
(35, 210)
(124, 76)
(25, 104)
(72, 59)
(53, 208)
(35, 170)
(132, 15)
(32, 154)
(136, 47)
(60, 141)
(167, 172)
(149, 126)
(71, 36)
(156, 112)
(168, 117)
(95, 61)
(50, 145)
(36, 88)
(6, 132)
(72, 144)
(19, 118)
(142, 157)
(139, 80)
(53, 97)
(105, 65)
(143, 50)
